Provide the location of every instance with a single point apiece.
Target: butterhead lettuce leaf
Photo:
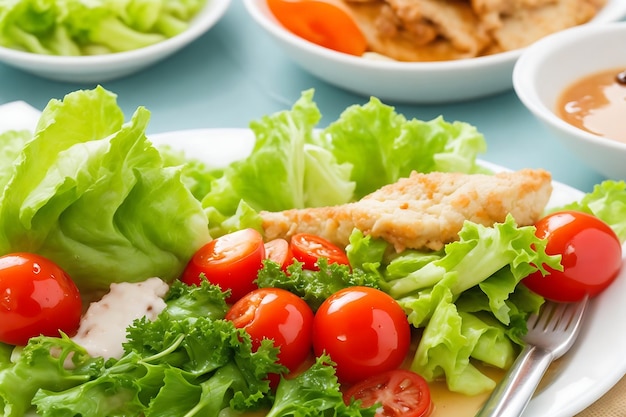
(286, 169)
(90, 192)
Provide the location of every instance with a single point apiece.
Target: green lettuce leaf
(464, 297)
(81, 27)
(91, 193)
(191, 364)
(314, 286)
(390, 146)
(204, 300)
(607, 201)
(37, 368)
(315, 392)
(479, 253)
(195, 174)
(284, 170)
(11, 144)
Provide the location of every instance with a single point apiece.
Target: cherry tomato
(591, 256)
(321, 23)
(231, 261)
(278, 250)
(277, 314)
(307, 248)
(36, 298)
(400, 393)
(364, 331)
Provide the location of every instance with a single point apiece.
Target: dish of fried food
(436, 30)
(423, 211)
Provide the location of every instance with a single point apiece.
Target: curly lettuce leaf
(607, 201)
(35, 367)
(313, 286)
(194, 364)
(315, 392)
(390, 146)
(91, 193)
(479, 253)
(465, 298)
(204, 300)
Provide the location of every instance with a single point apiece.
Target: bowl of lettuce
(96, 41)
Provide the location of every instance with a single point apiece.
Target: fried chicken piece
(423, 211)
(522, 22)
(490, 12)
(438, 30)
(420, 30)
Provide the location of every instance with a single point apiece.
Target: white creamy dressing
(103, 327)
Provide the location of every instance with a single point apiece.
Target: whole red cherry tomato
(277, 314)
(231, 261)
(364, 331)
(591, 256)
(36, 298)
(321, 23)
(308, 248)
(400, 393)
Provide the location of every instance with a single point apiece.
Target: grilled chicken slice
(423, 211)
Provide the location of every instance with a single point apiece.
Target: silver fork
(551, 333)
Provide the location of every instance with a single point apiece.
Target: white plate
(409, 82)
(100, 68)
(590, 369)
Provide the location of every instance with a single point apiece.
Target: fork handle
(512, 394)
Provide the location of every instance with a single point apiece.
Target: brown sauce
(597, 104)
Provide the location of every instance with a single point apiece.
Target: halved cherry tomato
(277, 314)
(278, 250)
(231, 261)
(400, 393)
(364, 331)
(321, 23)
(307, 248)
(591, 256)
(36, 298)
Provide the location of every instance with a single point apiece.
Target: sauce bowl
(551, 65)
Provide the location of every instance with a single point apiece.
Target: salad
(190, 360)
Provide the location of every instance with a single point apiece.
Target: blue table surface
(235, 74)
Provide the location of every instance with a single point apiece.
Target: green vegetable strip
(87, 27)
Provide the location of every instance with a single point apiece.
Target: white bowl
(550, 65)
(408, 82)
(100, 68)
